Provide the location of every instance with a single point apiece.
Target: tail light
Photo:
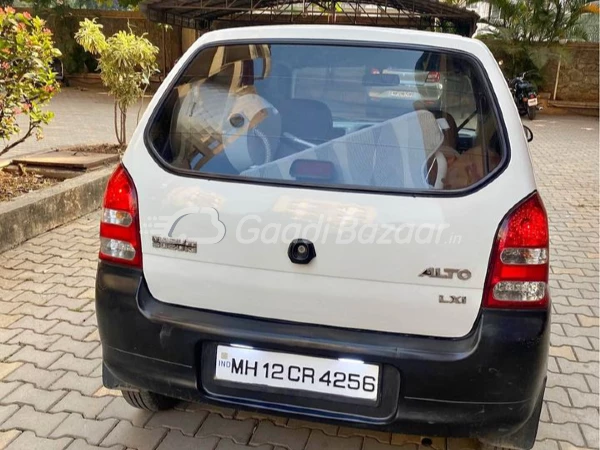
(518, 271)
(532, 95)
(120, 227)
(433, 77)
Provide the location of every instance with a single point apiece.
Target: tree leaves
(27, 82)
(126, 63)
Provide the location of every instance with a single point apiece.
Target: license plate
(345, 377)
(532, 102)
(402, 94)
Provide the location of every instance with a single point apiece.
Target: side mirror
(528, 133)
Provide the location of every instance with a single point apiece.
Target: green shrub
(27, 82)
(126, 63)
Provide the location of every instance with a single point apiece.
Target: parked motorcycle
(525, 95)
(59, 71)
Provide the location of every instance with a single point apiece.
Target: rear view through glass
(337, 116)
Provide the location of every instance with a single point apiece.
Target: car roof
(345, 33)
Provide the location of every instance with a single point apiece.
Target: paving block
(80, 444)
(76, 426)
(140, 438)
(6, 437)
(277, 420)
(583, 399)
(75, 382)
(118, 408)
(381, 436)
(228, 413)
(561, 414)
(373, 444)
(319, 440)
(38, 288)
(8, 307)
(579, 341)
(7, 350)
(8, 387)
(186, 422)
(69, 362)
(28, 419)
(568, 367)
(41, 378)
(546, 444)
(105, 392)
(67, 315)
(93, 336)
(29, 309)
(39, 358)
(576, 381)
(177, 441)
(65, 290)
(587, 355)
(32, 297)
(237, 430)
(326, 428)
(581, 331)
(27, 394)
(268, 433)
(228, 444)
(588, 321)
(6, 411)
(29, 441)
(36, 340)
(591, 435)
(89, 407)
(31, 323)
(593, 382)
(557, 394)
(563, 351)
(74, 304)
(462, 444)
(569, 432)
(437, 443)
(78, 332)
(7, 334)
(69, 345)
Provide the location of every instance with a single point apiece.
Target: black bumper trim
(485, 383)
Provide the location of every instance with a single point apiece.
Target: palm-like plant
(525, 33)
(539, 20)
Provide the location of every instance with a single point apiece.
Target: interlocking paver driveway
(81, 117)
(51, 395)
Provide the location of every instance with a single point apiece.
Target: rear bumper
(484, 384)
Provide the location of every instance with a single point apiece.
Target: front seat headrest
(309, 120)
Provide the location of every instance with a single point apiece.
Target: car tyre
(148, 401)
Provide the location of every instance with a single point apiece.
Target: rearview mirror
(381, 79)
(528, 133)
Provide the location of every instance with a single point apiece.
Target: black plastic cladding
(346, 188)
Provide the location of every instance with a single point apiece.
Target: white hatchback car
(270, 242)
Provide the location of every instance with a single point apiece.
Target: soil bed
(12, 185)
(107, 149)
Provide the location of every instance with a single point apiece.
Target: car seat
(308, 120)
(391, 154)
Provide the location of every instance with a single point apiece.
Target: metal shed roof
(416, 14)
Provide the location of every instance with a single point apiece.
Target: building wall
(578, 79)
(168, 42)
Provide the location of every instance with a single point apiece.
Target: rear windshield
(323, 115)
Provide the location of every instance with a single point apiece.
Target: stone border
(39, 211)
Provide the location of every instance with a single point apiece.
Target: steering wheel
(438, 159)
